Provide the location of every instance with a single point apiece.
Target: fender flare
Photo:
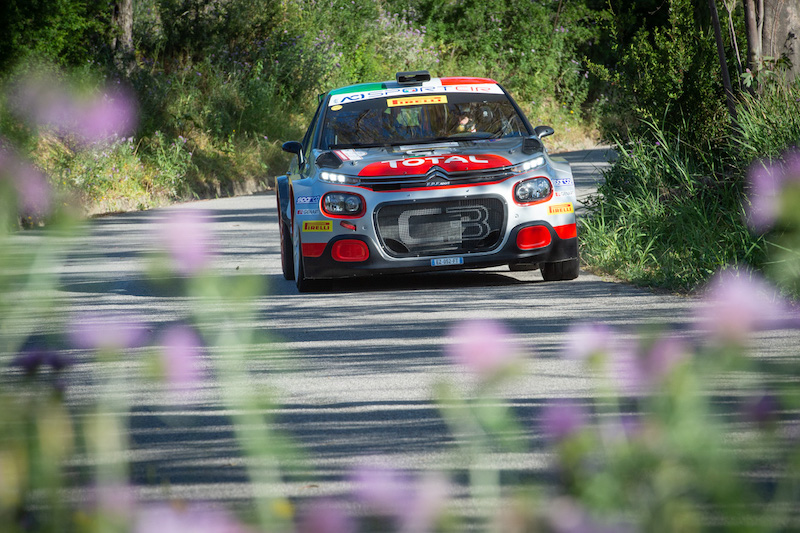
(284, 199)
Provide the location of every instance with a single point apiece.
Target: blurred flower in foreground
(762, 410)
(567, 516)
(767, 181)
(115, 332)
(484, 346)
(325, 516)
(181, 352)
(47, 101)
(641, 372)
(414, 505)
(192, 519)
(587, 342)
(186, 235)
(32, 360)
(737, 303)
(33, 191)
(561, 419)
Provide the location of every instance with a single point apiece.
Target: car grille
(435, 177)
(440, 227)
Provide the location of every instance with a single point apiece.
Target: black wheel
(303, 283)
(287, 261)
(562, 270)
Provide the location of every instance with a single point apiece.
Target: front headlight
(343, 204)
(531, 164)
(332, 177)
(533, 190)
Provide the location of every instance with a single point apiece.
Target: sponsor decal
(336, 108)
(562, 193)
(348, 155)
(488, 88)
(417, 100)
(560, 209)
(307, 200)
(308, 212)
(563, 182)
(317, 225)
(421, 165)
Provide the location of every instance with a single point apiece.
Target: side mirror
(541, 131)
(293, 147)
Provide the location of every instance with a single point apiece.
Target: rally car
(424, 174)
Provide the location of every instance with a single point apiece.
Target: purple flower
(181, 351)
(565, 515)
(186, 237)
(415, 505)
(589, 341)
(641, 372)
(562, 419)
(194, 518)
(484, 346)
(737, 303)
(384, 490)
(762, 410)
(107, 333)
(48, 102)
(109, 115)
(32, 188)
(30, 361)
(325, 516)
(767, 181)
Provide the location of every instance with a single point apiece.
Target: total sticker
(560, 209)
(308, 212)
(317, 225)
(307, 200)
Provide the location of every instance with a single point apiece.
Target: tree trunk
(781, 35)
(122, 42)
(773, 31)
(723, 62)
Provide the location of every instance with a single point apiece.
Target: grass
(671, 214)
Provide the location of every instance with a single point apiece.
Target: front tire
(303, 283)
(562, 270)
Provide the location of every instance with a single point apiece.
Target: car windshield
(420, 119)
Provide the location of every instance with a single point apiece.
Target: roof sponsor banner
(485, 88)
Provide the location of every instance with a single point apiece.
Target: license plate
(447, 261)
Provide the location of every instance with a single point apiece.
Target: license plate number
(447, 261)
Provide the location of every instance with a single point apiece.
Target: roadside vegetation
(686, 430)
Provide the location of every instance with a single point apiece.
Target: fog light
(350, 251)
(533, 237)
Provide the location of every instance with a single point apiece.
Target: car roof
(434, 82)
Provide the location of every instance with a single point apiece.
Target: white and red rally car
(422, 174)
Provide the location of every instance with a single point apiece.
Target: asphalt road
(353, 370)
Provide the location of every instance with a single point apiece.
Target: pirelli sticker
(560, 209)
(317, 225)
(417, 100)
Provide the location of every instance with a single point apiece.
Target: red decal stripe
(313, 249)
(568, 231)
(465, 80)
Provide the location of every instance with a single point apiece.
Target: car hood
(462, 156)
